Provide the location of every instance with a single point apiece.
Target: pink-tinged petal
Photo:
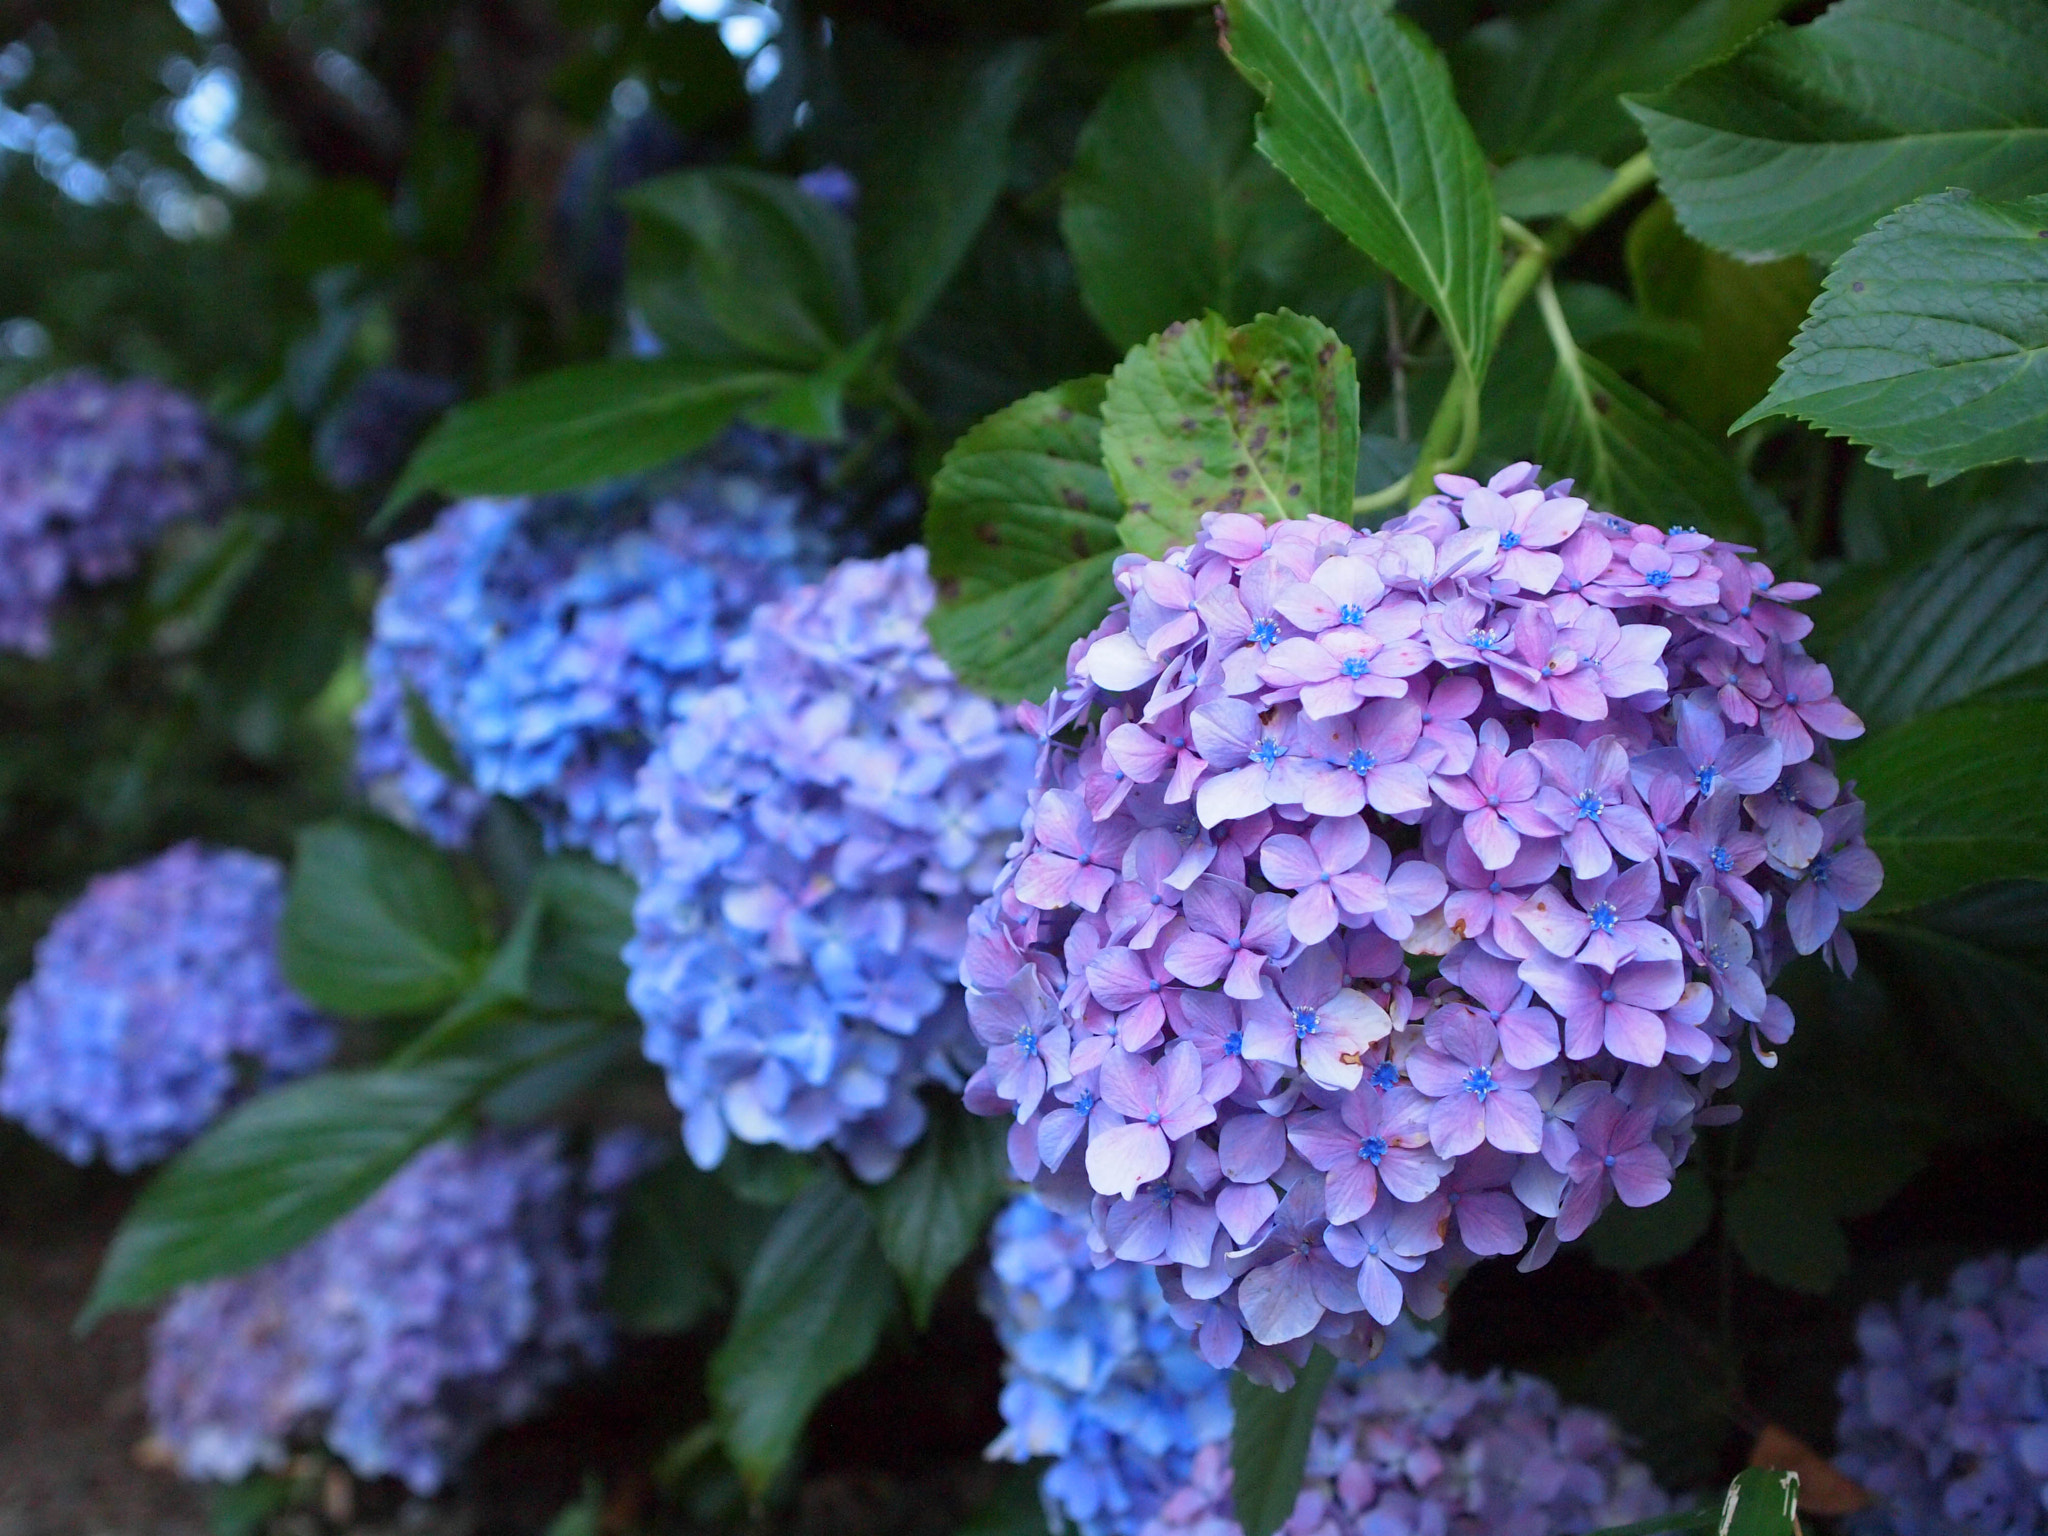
(1579, 694)
(1141, 755)
(1434, 1073)
(1635, 1034)
(1832, 718)
(1252, 1148)
(1356, 1017)
(1045, 880)
(1197, 958)
(1457, 1124)
(1557, 925)
(1553, 521)
(1180, 1078)
(1528, 1038)
(1234, 795)
(1057, 1133)
(1492, 838)
(1330, 1061)
(1655, 984)
(1396, 789)
(1521, 775)
(1120, 1160)
(1582, 1206)
(1587, 851)
(1642, 1175)
(1514, 1121)
(1412, 1174)
(1416, 887)
(1351, 1187)
(1566, 987)
(1297, 661)
(1749, 763)
(1137, 1229)
(1090, 884)
(1194, 1234)
(1021, 1142)
(1289, 862)
(1380, 1291)
(1266, 927)
(1490, 1222)
(1129, 1084)
(1060, 821)
(1277, 1301)
(1810, 914)
(1244, 1208)
(1120, 979)
(1118, 663)
(1630, 830)
(1220, 1340)
(1140, 1026)
(1323, 1140)
(1854, 876)
(1247, 968)
(1269, 1034)
(1468, 914)
(1306, 606)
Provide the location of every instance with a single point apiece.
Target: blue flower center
(1679, 528)
(1351, 613)
(1658, 578)
(1608, 1160)
(1484, 640)
(1493, 888)
(1084, 1106)
(1510, 539)
(1363, 762)
(1233, 1043)
(1707, 778)
(1604, 917)
(1722, 859)
(1153, 1118)
(1267, 633)
(1357, 666)
(1607, 994)
(1590, 805)
(1268, 752)
(1027, 1040)
(1479, 1081)
(1717, 956)
(1304, 1023)
(1372, 1149)
(1165, 1193)
(1822, 863)
(1385, 1076)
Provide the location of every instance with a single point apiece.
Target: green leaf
(1021, 530)
(376, 922)
(1013, 1509)
(1642, 1238)
(682, 1243)
(1169, 212)
(1955, 798)
(1360, 116)
(1546, 83)
(578, 426)
(1787, 1234)
(1543, 186)
(1929, 342)
(930, 1214)
(1743, 316)
(1975, 617)
(810, 1314)
(772, 266)
(586, 920)
(1631, 456)
(1805, 136)
(1761, 1501)
(1260, 418)
(1269, 1443)
(939, 163)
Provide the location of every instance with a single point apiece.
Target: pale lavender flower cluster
(1945, 1417)
(1415, 1449)
(91, 474)
(452, 1303)
(817, 831)
(1099, 1378)
(541, 642)
(156, 1002)
(1576, 759)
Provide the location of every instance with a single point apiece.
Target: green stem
(1538, 256)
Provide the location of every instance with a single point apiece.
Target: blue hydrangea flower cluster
(1945, 1417)
(91, 474)
(541, 641)
(156, 1001)
(450, 1304)
(1415, 1449)
(817, 831)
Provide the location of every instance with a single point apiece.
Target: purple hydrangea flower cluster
(453, 1302)
(817, 830)
(1417, 1449)
(1099, 1377)
(544, 639)
(91, 474)
(1945, 1417)
(1579, 760)
(156, 1001)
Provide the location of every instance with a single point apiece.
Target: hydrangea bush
(1580, 762)
(156, 1002)
(91, 474)
(1099, 1378)
(1414, 1448)
(452, 1303)
(1945, 1416)
(817, 830)
(541, 641)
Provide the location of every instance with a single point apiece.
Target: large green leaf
(377, 921)
(682, 1243)
(1547, 83)
(1816, 1166)
(1169, 211)
(1974, 618)
(810, 1314)
(578, 426)
(939, 161)
(1259, 418)
(1743, 315)
(1360, 116)
(1632, 1238)
(283, 1167)
(1269, 1443)
(1956, 797)
(1929, 342)
(930, 1214)
(1631, 456)
(772, 266)
(586, 920)
(1022, 529)
(1800, 140)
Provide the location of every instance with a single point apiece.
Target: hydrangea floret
(539, 642)
(1416, 1448)
(1945, 1415)
(156, 1002)
(1099, 1378)
(91, 474)
(817, 831)
(1581, 762)
(453, 1302)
